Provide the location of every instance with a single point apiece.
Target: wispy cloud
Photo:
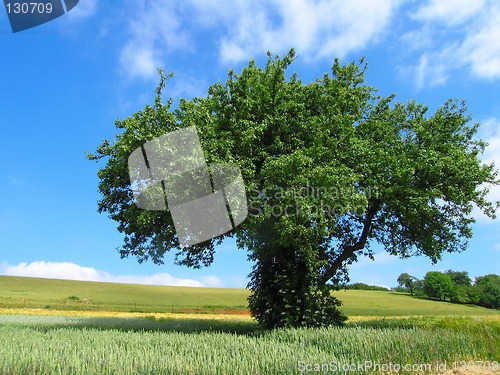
(186, 86)
(72, 271)
(154, 29)
(429, 72)
(382, 258)
(452, 35)
(449, 12)
(318, 30)
(481, 48)
(85, 8)
(490, 132)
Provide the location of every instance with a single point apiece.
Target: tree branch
(360, 244)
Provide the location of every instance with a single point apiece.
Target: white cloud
(452, 35)
(418, 39)
(212, 281)
(490, 133)
(449, 12)
(186, 86)
(317, 29)
(481, 49)
(154, 30)
(83, 9)
(428, 72)
(139, 60)
(381, 259)
(72, 271)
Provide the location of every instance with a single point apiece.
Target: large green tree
(329, 168)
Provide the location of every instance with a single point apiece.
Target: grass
(66, 295)
(52, 294)
(83, 345)
(381, 303)
(106, 328)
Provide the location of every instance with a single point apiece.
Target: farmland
(133, 331)
(66, 295)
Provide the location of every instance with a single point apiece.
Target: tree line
(363, 286)
(454, 286)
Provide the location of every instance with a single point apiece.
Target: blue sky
(63, 84)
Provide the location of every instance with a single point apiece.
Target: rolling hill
(52, 294)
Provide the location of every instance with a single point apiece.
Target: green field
(78, 345)
(45, 328)
(56, 294)
(22, 292)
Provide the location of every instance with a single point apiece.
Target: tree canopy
(459, 278)
(489, 287)
(437, 284)
(329, 166)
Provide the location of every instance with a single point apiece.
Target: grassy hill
(23, 292)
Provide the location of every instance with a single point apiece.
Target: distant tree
(459, 278)
(407, 281)
(462, 291)
(330, 167)
(438, 285)
(489, 290)
(462, 287)
(418, 287)
(363, 286)
(473, 294)
(464, 294)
